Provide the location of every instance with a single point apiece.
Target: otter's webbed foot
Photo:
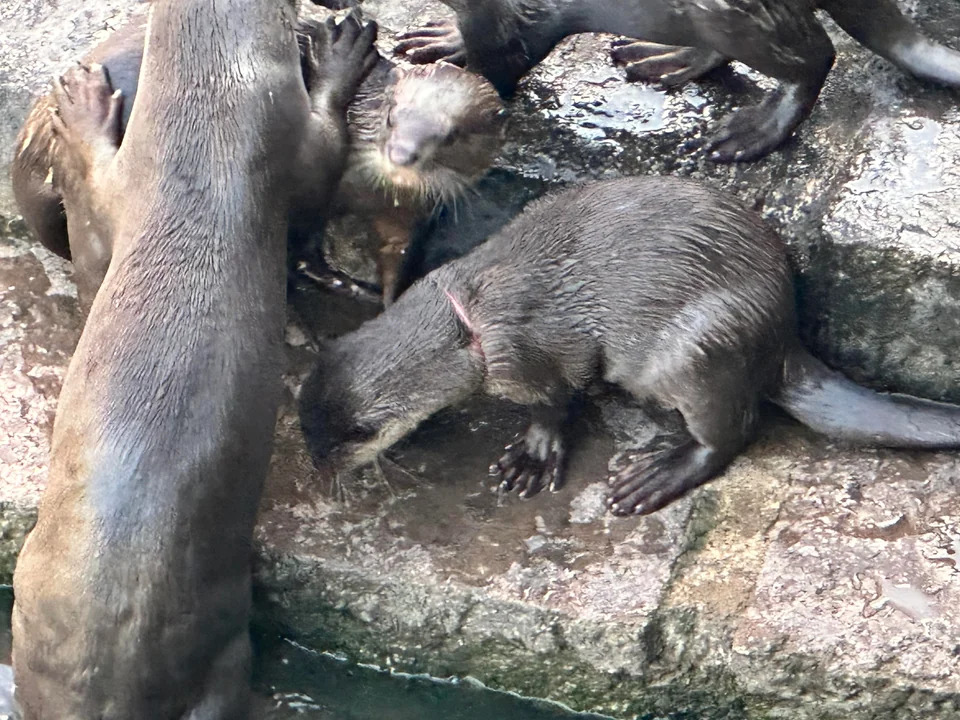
(86, 119)
(753, 132)
(644, 481)
(534, 460)
(336, 59)
(437, 40)
(669, 65)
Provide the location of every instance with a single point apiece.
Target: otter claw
(668, 65)
(644, 481)
(87, 108)
(531, 462)
(437, 40)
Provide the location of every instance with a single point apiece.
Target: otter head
(375, 385)
(441, 129)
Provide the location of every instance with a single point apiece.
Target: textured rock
(810, 582)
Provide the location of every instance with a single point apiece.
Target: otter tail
(880, 26)
(832, 404)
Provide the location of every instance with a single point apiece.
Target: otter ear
(467, 329)
(395, 75)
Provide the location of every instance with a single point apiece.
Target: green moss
(15, 523)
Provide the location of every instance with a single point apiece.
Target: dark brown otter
(133, 590)
(700, 319)
(503, 39)
(418, 137)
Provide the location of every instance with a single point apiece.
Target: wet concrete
(811, 581)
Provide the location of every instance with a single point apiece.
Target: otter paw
(437, 40)
(534, 460)
(668, 65)
(753, 132)
(337, 57)
(644, 481)
(87, 110)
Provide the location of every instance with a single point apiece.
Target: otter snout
(403, 152)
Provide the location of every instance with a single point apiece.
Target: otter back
(669, 289)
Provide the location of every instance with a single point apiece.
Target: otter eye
(360, 433)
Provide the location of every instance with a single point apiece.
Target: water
(293, 683)
(297, 683)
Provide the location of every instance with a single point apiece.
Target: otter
(783, 39)
(31, 172)
(133, 590)
(418, 137)
(671, 290)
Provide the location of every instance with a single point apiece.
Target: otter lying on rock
(665, 287)
(503, 39)
(418, 138)
(133, 590)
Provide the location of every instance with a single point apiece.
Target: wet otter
(31, 173)
(418, 138)
(667, 288)
(503, 39)
(133, 590)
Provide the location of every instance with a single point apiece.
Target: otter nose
(403, 152)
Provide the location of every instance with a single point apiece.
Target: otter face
(441, 129)
(372, 387)
(341, 431)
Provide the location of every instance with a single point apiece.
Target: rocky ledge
(812, 581)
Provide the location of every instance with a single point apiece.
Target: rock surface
(811, 581)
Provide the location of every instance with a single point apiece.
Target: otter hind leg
(753, 132)
(536, 458)
(719, 405)
(31, 178)
(889, 33)
(87, 124)
(650, 479)
(783, 43)
(669, 65)
(436, 40)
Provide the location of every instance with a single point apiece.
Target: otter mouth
(421, 181)
(405, 177)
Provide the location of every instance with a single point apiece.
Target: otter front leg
(437, 40)
(536, 458)
(335, 60)
(668, 65)
(86, 122)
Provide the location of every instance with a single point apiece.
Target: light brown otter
(133, 590)
(419, 137)
(671, 290)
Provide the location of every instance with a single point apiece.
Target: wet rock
(811, 582)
